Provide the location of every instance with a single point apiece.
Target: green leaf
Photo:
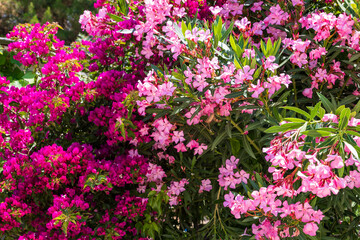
(237, 64)
(180, 108)
(344, 118)
(179, 32)
(348, 99)
(65, 227)
(14, 104)
(2, 59)
(284, 128)
(252, 126)
(317, 133)
(298, 110)
(321, 112)
(235, 146)
(193, 161)
(276, 47)
(339, 110)
(269, 47)
(227, 32)
(259, 180)
(357, 107)
(295, 120)
(327, 104)
(263, 47)
(315, 110)
(234, 95)
(328, 142)
(218, 139)
(114, 17)
(352, 150)
(183, 27)
(232, 42)
(122, 131)
(247, 147)
(354, 57)
(341, 171)
(353, 133)
(219, 27)
(178, 75)
(124, 7)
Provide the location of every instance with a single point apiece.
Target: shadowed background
(65, 12)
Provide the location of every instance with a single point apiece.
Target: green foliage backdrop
(65, 12)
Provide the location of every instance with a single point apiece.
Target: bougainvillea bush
(184, 119)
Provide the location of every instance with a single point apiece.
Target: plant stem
(247, 137)
(295, 92)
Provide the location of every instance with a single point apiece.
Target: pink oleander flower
(310, 229)
(256, 6)
(244, 74)
(200, 149)
(335, 161)
(256, 89)
(277, 16)
(205, 185)
(297, 2)
(299, 59)
(330, 117)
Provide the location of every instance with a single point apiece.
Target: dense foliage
(184, 119)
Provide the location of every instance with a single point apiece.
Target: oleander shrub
(185, 119)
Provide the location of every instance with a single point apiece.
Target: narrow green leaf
(234, 95)
(327, 104)
(227, 32)
(353, 133)
(354, 57)
(299, 120)
(341, 171)
(235, 146)
(357, 107)
(237, 64)
(344, 118)
(232, 42)
(247, 147)
(321, 112)
(284, 127)
(65, 227)
(339, 110)
(317, 133)
(179, 32)
(116, 18)
(220, 137)
(315, 110)
(180, 108)
(178, 75)
(352, 150)
(298, 110)
(348, 99)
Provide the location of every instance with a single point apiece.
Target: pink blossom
(310, 229)
(180, 147)
(178, 136)
(200, 149)
(257, 89)
(256, 6)
(299, 59)
(336, 161)
(205, 185)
